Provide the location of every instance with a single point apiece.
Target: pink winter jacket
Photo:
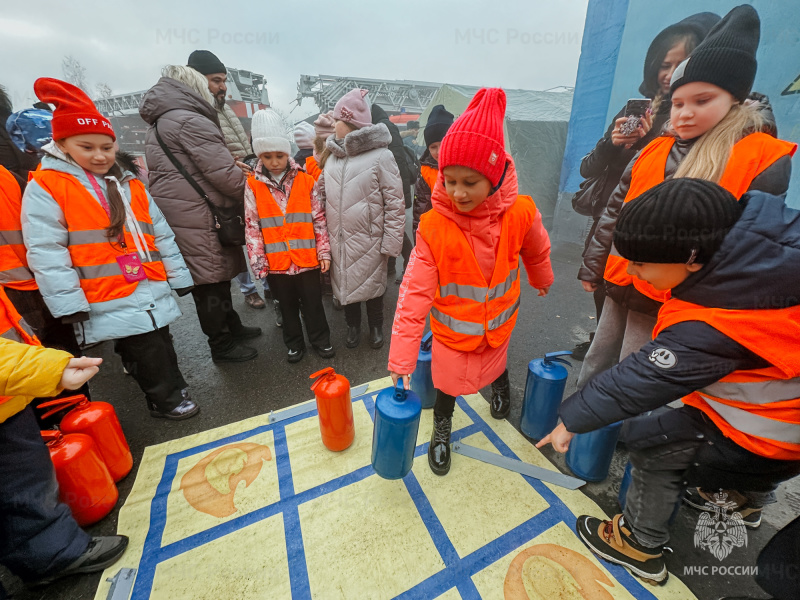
(456, 372)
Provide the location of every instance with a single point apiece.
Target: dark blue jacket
(756, 267)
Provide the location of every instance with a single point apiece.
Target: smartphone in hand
(635, 109)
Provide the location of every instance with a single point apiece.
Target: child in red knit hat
(103, 256)
(464, 270)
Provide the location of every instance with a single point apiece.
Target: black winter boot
(353, 336)
(376, 337)
(501, 396)
(439, 448)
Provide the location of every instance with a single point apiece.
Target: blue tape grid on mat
(458, 571)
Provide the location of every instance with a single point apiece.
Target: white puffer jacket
(363, 196)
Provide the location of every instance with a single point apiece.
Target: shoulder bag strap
(182, 170)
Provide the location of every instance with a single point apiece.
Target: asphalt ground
(231, 392)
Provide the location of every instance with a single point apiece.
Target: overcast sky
(527, 44)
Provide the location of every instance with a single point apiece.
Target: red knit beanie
(75, 113)
(476, 140)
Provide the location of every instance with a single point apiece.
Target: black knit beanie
(206, 62)
(727, 57)
(678, 221)
(439, 121)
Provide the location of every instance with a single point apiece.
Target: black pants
(38, 536)
(294, 291)
(444, 405)
(151, 360)
(217, 318)
(779, 563)
(352, 313)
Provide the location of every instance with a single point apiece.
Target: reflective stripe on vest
(288, 238)
(93, 255)
(759, 409)
(756, 425)
(14, 271)
(13, 327)
(749, 157)
(466, 309)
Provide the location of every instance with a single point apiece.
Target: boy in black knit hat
(727, 343)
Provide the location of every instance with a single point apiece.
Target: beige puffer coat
(233, 131)
(363, 196)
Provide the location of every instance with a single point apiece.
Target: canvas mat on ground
(259, 510)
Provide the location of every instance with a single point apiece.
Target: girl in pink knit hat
(464, 270)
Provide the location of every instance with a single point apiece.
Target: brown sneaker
(732, 500)
(613, 541)
(254, 300)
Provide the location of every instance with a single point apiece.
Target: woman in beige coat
(363, 196)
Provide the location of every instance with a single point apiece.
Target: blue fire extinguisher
(421, 378)
(544, 390)
(589, 455)
(394, 437)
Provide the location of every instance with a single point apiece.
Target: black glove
(77, 317)
(183, 291)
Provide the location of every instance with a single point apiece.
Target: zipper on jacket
(341, 229)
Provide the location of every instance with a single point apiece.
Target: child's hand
(543, 291)
(79, 371)
(324, 265)
(559, 437)
(406, 379)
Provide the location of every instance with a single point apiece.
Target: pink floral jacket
(253, 237)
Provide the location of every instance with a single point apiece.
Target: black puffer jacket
(773, 180)
(396, 147)
(754, 268)
(422, 192)
(605, 155)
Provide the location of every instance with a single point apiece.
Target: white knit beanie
(269, 133)
(304, 135)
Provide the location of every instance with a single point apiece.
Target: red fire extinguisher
(335, 409)
(99, 421)
(84, 483)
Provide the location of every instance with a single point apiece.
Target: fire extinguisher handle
(552, 357)
(60, 404)
(48, 435)
(320, 375)
(427, 341)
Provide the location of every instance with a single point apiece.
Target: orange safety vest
(288, 238)
(13, 327)
(467, 308)
(14, 271)
(749, 157)
(430, 175)
(93, 255)
(312, 168)
(759, 409)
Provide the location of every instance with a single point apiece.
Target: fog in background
(527, 44)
